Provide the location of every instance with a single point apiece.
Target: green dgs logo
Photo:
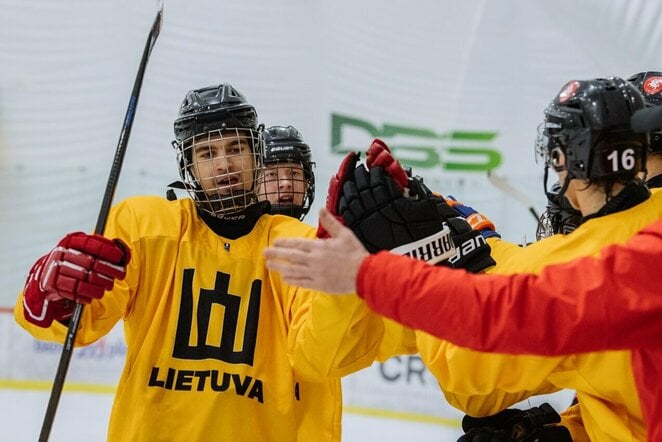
(456, 150)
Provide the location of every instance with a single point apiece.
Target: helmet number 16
(626, 161)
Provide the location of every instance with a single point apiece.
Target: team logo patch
(568, 91)
(652, 85)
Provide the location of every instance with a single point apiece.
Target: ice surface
(83, 417)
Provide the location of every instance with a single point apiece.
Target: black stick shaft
(506, 188)
(533, 212)
(67, 349)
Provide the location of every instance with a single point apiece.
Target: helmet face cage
(650, 86)
(288, 186)
(589, 122)
(219, 149)
(559, 215)
(551, 138)
(287, 180)
(220, 169)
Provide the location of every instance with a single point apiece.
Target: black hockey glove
(536, 424)
(383, 218)
(473, 253)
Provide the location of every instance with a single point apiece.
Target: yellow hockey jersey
(218, 347)
(482, 384)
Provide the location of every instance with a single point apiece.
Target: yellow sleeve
(331, 335)
(482, 384)
(398, 340)
(501, 251)
(97, 320)
(571, 418)
(328, 336)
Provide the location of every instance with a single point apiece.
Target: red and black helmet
(650, 85)
(590, 122)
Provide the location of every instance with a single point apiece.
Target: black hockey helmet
(211, 108)
(650, 85)
(215, 112)
(286, 145)
(590, 122)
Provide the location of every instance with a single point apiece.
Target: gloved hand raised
(379, 155)
(472, 252)
(79, 269)
(373, 205)
(345, 171)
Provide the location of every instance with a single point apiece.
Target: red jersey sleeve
(590, 304)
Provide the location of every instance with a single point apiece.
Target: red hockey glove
(345, 170)
(476, 220)
(379, 155)
(79, 269)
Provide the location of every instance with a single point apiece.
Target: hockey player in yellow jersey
(218, 347)
(650, 85)
(587, 138)
(288, 183)
(287, 180)
(590, 139)
(561, 217)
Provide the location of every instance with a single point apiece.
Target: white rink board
(400, 388)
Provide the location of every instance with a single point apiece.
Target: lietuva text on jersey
(218, 347)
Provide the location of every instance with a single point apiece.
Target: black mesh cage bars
(288, 180)
(219, 148)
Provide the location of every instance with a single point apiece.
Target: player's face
(283, 184)
(223, 163)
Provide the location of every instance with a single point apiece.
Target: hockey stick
(503, 185)
(67, 349)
